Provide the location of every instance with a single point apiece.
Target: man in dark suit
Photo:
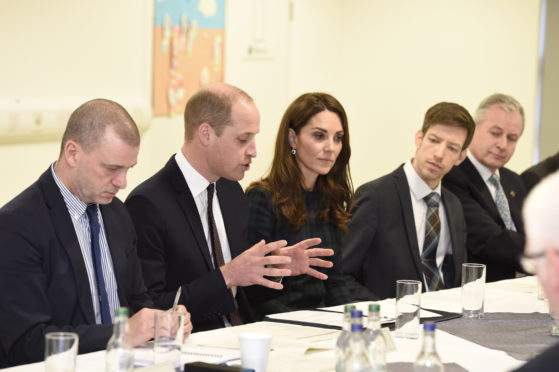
(491, 194)
(184, 239)
(404, 225)
(536, 173)
(541, 216)
(55, 273)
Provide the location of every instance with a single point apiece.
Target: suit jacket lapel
(69, 241)
(474, 177)
(230, 218)
(188, 206)
(403, 190)
(457, 253)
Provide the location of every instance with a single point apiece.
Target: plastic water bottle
(428, 360)
(374, 340)
(343, 338)
(120, 352)
(357, 359)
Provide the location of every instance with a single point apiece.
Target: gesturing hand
(303, 257)
(252, 265)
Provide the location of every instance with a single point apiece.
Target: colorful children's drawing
(188, 50)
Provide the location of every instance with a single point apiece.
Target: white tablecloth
(299, 348)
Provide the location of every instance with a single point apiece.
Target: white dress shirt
(198, 186)
(485, 174)
(418, 190)
(76, 209)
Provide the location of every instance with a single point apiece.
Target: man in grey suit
(404, 225)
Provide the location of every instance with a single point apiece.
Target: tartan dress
(303, 291)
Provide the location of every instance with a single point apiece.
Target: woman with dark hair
(307, 194)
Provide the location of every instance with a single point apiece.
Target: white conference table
(303, 348)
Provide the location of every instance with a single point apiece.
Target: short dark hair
(212, 106)
(88, 123)
(452, 114)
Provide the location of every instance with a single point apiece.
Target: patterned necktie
(502, 202)
(94, 229)
(235, 316)
(432, 233)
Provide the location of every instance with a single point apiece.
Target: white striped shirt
(76, 209)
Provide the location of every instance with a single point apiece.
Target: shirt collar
(195, 181)
(75, 206)
(419, 189)
(483, 171)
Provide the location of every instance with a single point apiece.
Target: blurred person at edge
(541, 256)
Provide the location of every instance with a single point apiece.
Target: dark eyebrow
(321, 129)
(108, 165)
(440, 139)
(325, 131)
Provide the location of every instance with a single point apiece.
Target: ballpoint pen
(177, 296)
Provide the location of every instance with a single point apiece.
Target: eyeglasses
(528, 260)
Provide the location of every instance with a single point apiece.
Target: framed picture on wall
(188, 50)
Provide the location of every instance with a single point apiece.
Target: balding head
(88, 123)
(541, 214)
(541, 221)
(213, 105)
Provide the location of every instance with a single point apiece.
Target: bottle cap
(356, 313)
(356, 327)
(121, 311)
(374, 308)
(429, 326)
(349, 308)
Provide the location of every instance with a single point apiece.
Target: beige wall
(394, 59)
(386, 61)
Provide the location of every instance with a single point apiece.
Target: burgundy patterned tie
(235, 316)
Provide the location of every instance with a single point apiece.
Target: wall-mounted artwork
(188, 51)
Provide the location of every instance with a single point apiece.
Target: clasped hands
(276, 259)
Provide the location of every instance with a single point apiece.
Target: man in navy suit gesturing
(192, 217)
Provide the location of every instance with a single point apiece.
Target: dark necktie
(432, 234)
(502, 202)
(94, 229)
(234, 317)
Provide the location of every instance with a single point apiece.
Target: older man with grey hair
(491, 194)
(541, 213)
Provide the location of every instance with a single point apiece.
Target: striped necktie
(94, 229)
(432, 234)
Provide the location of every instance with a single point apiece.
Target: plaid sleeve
(261, 218)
